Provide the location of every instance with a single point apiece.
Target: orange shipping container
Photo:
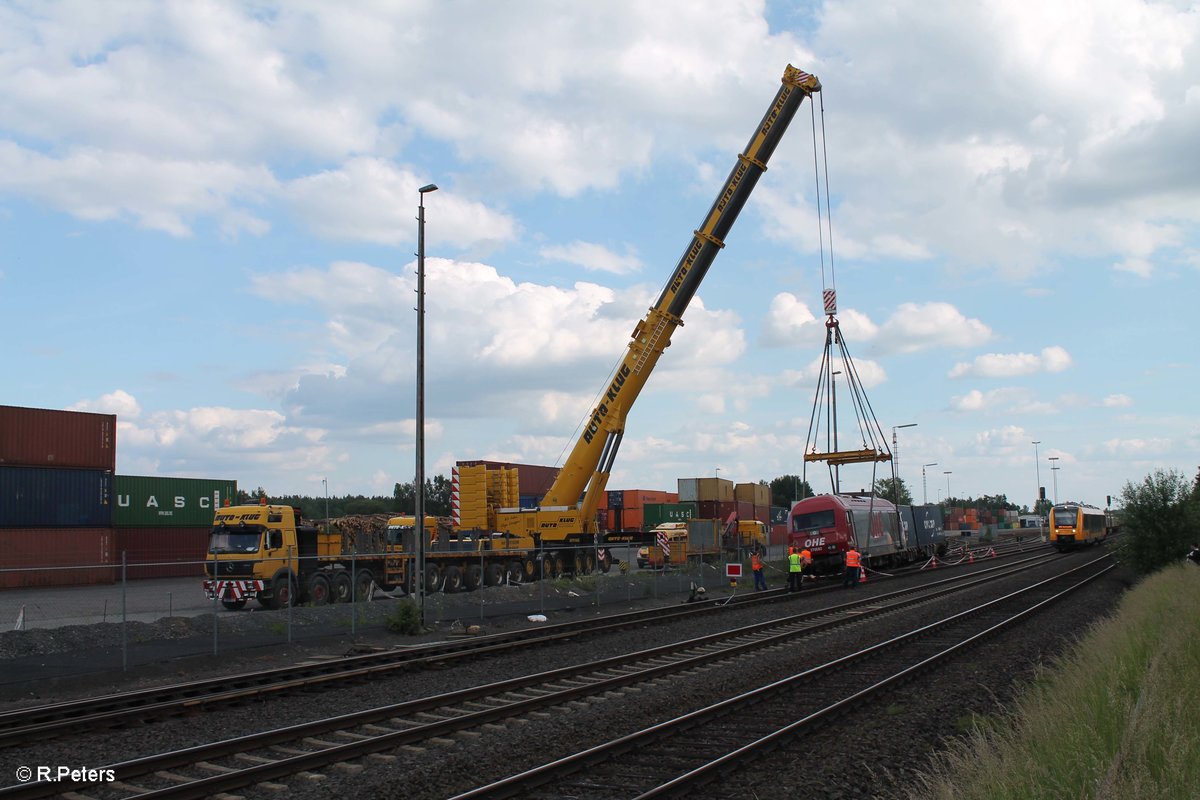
(38, 437)
(56, 557)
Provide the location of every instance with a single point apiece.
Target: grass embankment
(1117, 717)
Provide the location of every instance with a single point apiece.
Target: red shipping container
(763, 514)
(713, 509)
(161, 552)
(637, 498)
(37, 437)
(779, 532)
(55, 557)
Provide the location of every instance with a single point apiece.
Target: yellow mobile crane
(567, 515)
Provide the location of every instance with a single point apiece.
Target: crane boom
(585, 471)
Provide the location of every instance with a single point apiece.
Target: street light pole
(1037, 496)
(325, 481)
(924, 485)
(1054, 471)
(418, 581)
(948, 473)
(896, 458)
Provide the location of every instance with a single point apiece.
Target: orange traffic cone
(970, 557)
(862, 575)
(993, 552)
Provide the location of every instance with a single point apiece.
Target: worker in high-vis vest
(756, 566)
(853, 565)
(795, 565)
(805, 563)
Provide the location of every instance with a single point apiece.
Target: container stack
(627, 508)
(56, 476)
(162, 524)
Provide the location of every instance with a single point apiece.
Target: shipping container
(908, 528)
(762, 514)
(779, 534)
(655, 514)
(55, 557)
(779, 515)
(711, 509)
(716, 489)
(36, 497)
(928, 523)
(157, 502)
(166, 552)
(616, 498)
(689, 489)
(758, 494)
(631, 519)
(37, 437)
(638, 498)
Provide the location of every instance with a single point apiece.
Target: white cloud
(918, 326)
(1118, 401)
(119, 402)
(1009, 365)
(1005, 400)
(368, 199)
(593, 257)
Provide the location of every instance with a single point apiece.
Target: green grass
(1118, 717)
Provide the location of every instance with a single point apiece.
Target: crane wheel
(234, 605)
(473, 576)
(589, 563)
(433, 578)
(559, 566)
(364, 585)
(493, 574)
(516, 573)
(318, 589)
(605, 561)
(284, 592)
(579, 563)
(341, 588)
(453, 581)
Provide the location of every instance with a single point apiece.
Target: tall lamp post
(948, 473)
(325, 482)
(1037, 496)
(896, 458)
(1054, 471)
(924, 485)
(418, 581)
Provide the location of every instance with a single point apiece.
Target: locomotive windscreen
(813, 520)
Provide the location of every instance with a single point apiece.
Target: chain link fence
(60, 621)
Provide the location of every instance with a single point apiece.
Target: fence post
(482, 584)
(353, 590)
(292, 586)
(124, 630)
(216, 599)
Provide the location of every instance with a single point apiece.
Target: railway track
(677, 757)
(270, 756)
(22, 726)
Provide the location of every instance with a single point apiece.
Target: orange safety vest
(755, 562)
(806, 556)
(852, 559)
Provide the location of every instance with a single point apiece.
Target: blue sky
(207, 227)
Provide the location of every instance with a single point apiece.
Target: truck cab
(253, 549)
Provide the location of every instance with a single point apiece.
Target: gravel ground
(880, 747)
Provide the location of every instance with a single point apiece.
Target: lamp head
(429, 187)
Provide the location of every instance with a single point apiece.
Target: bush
(1160, 519)
(405, 619)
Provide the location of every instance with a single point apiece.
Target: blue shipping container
(37, 497)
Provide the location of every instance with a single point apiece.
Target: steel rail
(20, 726)
(524, 783)
(657, 662)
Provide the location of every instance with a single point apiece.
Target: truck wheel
(473, 577)
(516, 574)
(579, 563)
(341, 588)
(234, 605)
(284, 591)
(318, 589)
(454, 580)
(559, 566)
(493, 575)
(364, 585)
(433, 578)
(589, 563)
(530, 565)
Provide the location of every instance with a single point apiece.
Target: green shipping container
(168, 502)
(655, 514)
